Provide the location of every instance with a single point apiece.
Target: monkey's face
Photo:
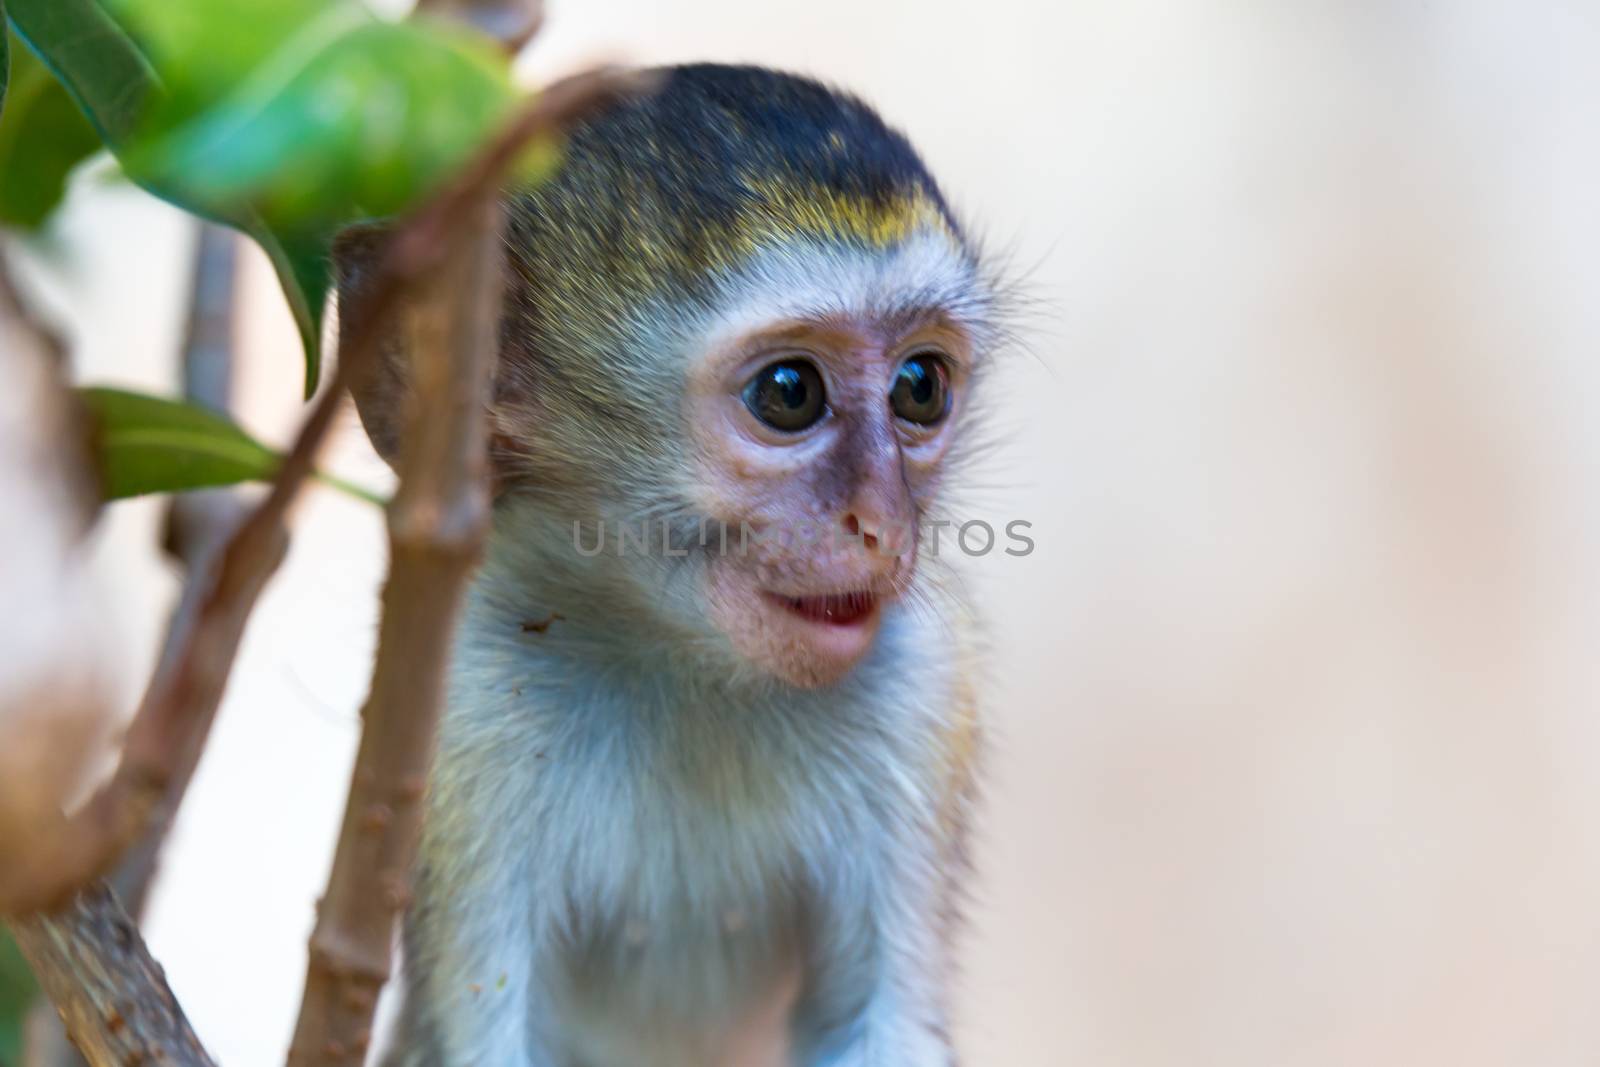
(740, 305)
(820, 419)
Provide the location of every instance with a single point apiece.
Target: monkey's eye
(786, 396)
(921, 390)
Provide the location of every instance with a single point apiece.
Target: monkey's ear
(382, 391)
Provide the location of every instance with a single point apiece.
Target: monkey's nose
(852, 526)
(891, 546)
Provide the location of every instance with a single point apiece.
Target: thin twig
(437, 523)
(198, 523)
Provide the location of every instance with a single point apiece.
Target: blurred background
(1295, 711)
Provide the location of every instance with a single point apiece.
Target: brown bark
(112, 996)
(198, 523)
(437, 524)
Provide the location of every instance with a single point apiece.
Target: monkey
(709, 754)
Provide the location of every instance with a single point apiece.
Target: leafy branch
(268, 123)
(439, 275)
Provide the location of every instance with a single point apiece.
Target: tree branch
(198, 523)
(112, 996)
(437, 524)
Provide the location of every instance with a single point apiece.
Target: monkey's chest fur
(627, 865)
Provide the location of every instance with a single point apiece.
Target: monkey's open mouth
(832, 609)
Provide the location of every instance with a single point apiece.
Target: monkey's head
(742, 320)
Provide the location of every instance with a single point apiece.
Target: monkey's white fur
(686, 834)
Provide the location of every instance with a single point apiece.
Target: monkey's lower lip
(832, 609)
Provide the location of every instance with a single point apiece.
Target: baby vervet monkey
(699, 796)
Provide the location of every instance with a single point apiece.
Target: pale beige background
(1296, 709)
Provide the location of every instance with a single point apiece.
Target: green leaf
(288, 119)
(102, 69)
(351, 119)
(149, 444)
(43, 136)
(326, 132)
(117, 88)
(202, 49)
